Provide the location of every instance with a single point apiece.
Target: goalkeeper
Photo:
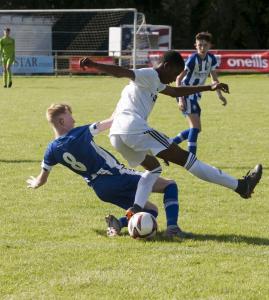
(7, 53)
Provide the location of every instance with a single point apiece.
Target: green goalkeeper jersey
(7, 47)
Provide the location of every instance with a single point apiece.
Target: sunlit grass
(52, 240)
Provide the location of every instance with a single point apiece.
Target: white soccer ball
(142, 225)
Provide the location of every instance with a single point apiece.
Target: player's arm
(214, 78)
(98, 127)
(180, 100)
(114, 70)
(36, 182)
(189, 90)
(180, 77)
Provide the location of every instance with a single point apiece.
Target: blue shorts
(119, 190)
(192, 105)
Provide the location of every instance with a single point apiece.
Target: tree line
(235, 24)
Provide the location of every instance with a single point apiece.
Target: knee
(152, 208)
(169, 182)
(171, 187)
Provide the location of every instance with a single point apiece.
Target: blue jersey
(198, 70)
(77, 151)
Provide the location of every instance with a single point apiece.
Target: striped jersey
(77, 151)
(199, 69)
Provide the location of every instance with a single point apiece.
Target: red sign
(231, 60)
(74, 64)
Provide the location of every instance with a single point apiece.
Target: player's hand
(182, 103)
(85, 62)
(220, 86)
(32, 182)
(132, 210)
(222, 99)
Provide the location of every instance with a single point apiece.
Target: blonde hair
(55, 110)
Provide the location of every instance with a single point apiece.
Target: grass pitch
(52, 240)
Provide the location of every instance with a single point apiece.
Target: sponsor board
(75, 68)
(37, 64)
(230, 60)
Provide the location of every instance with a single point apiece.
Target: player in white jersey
(139, 144)
(198, 67)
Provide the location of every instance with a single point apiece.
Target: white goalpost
(52, 41)
(64, 33)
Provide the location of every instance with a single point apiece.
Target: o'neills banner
(230, 60)
(74, 64)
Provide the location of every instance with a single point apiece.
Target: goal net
(60, 37)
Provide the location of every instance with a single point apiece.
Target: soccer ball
(142, 225)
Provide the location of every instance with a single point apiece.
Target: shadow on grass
(18, 161)
(223, 238)
(232, 238)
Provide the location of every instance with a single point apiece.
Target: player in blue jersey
(197, 68)
(111, 181)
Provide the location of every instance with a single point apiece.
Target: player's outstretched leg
(244, 187)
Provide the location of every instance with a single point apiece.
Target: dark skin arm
(109, 69)
(169, 91)
(188, 90)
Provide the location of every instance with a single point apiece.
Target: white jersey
(136, 102)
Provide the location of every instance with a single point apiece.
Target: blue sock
(182, 136)
(170, 201)
(123, 221)
(192, 140)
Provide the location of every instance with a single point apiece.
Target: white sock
(144, 186)
(209, 173)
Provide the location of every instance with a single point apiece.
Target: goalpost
(51, 41)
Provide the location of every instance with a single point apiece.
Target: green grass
(52, 240)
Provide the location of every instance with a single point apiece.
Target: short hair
(205, 35)
(7, 29)
(173, 57)
(57, 109)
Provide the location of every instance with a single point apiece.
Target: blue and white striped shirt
(198, 70)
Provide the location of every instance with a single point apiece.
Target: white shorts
(135, 147)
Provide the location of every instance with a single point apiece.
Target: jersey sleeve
(49, 160)
(214, 63)
(93, 129)
(190, 63)
(147, 78)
